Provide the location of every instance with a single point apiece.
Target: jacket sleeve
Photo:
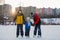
(24, 19)
(15, 17)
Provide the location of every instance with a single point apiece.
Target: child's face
(20, 12)
(28, 19)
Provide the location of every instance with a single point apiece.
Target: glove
(32, 24)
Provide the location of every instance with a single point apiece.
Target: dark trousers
(27, 31)
(19, 29)
(37, 27)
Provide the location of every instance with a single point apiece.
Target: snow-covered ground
(49, 32)
(51, 20)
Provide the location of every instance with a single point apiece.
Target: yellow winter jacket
(19, 19)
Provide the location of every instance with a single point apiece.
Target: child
(37, 23)
(19, 19)
(27, 26)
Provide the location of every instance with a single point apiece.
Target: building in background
(58, 11)
(49, 11)
(1, 12)
(7, 10)
(27, 10)
(43, 11)
(54, 11)
(1, 15)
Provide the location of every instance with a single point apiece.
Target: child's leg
(21, 28)
(28, 31)
(39, 30)
(17, 33)
(35, 30)
(25, 32)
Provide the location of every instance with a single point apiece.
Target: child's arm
(24, 19)
(15, 18)
(32, 24)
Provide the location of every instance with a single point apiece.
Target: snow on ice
(49, 32)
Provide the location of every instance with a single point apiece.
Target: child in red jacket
(37, 23)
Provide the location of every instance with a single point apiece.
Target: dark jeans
(37, 27)
(19, 29)
(27, 31)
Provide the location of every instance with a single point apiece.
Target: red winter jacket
(36, 19)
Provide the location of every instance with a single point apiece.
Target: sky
(36, 3)
(1, 2)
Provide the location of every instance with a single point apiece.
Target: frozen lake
(49, 32)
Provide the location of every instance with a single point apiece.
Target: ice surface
(49, 32)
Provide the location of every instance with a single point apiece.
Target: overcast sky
(1, 2)
(37, 3)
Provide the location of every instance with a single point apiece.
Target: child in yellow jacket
(19, 19)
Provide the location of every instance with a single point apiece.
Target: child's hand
(32, 24)
(24, 22)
